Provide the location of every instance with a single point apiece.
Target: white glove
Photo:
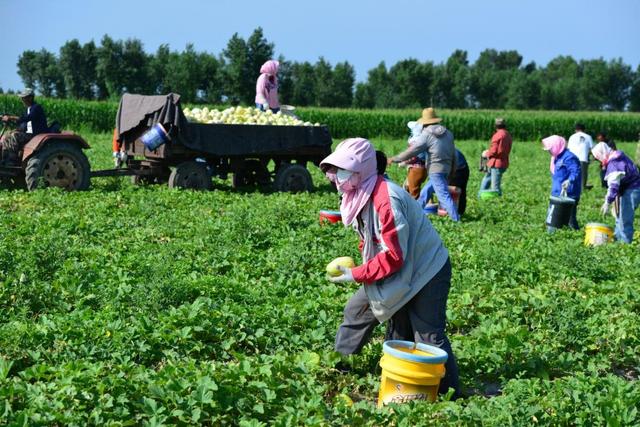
(485, 153)
(605, 208)
(265, 106)
(346, 275)
(116, 159)
(565, 185)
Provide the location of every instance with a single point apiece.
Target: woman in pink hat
(267, 87)
(406, 272)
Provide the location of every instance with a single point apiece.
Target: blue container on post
(155, 137)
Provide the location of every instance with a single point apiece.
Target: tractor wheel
(58, 164)
(293, 178)
(253, 173)
(190, 175)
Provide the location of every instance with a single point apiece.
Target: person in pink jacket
(267, 87)
(406, 272)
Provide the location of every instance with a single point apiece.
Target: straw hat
(429, 117)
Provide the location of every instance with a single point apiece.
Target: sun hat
(429, 117)
(500, 121)
(26, 92)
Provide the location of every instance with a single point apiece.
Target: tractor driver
(30, 124)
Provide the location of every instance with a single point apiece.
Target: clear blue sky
(361, 32)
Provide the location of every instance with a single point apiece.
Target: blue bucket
(430, 209)
(155, 137)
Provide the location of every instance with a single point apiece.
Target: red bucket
(331, 216)
(455, 195)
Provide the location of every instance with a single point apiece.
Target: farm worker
(566, 174)
(623, 180)
(416, 172)
(602, 137)
(460, 179)
(436, 143)
(30, 124)
(406, 273)
(580, 144)
(498, 155)
(267, 87)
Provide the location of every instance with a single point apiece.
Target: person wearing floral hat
(566, 175)
(623, 180)
(267, 87)
(406, 272)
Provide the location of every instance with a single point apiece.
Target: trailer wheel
(253, 173)
(293, 178)
(190, 175)
(59, 164)
(159, 178)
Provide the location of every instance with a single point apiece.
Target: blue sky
(361, 32)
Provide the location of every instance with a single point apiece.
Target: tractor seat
(54, 127)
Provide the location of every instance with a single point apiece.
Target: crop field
(127, 305)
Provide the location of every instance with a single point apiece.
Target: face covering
(346, 180)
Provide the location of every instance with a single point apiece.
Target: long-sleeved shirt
(267, 92)
(498, 153)
(621, 175)
(567, 167)
(33, 121)
(436, 142)
(400, 248)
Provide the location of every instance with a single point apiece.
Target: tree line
(496, 80)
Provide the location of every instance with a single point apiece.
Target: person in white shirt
(580, 144)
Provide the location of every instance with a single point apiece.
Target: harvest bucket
(559, 211)
(488, 194)
(597, 234)
(331, 216)
(410, 371)
(455, 195)
(155, 137)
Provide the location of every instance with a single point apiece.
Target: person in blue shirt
(30, 124)
(566, 174)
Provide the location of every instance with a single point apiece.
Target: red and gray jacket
(401, 250)
(499, 150)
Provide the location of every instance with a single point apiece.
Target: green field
(130, 305)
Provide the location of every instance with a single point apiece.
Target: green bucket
(488, 194)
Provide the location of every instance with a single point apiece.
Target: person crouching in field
(566, 174)
(623, 180)
(406, 273)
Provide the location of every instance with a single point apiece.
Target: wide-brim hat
(429, 117)
(26, 92)
(500, 121)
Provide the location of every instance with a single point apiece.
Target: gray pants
(422, 319)
(584, 169)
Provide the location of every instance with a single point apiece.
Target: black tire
(58, 164)
(190, 175)
(293, 179)
(159, 178)
(253, 173)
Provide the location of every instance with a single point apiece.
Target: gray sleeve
(419, 146)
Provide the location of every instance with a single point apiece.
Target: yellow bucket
(410, 371)
(597, 234)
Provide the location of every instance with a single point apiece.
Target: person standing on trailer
(267, 87)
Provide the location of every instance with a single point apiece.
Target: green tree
(634, 95)
(136, 68)
(48, 75)
(342, 82)
(323, 74)
(411, 83)
(259, 51)
(619, 83)
(28, 68)
(285, 81)
(304, 84)
(158, 69)
(560, 84)
(211, 73)
(490, 77)
(184, 74)
(110, 69)
(364, 96)
(78, 67)
(451, 81)
(237, 69)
